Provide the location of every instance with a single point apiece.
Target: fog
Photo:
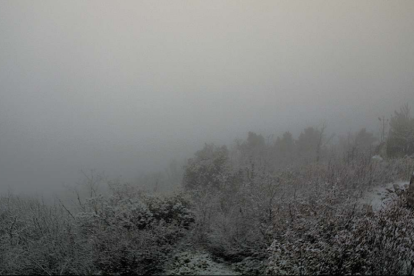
(127, 86)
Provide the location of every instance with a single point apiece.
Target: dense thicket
(283, 206)
(126, 232)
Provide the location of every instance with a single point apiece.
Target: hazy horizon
(125, 87)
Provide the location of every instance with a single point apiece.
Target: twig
(48, 273)
(64, 207)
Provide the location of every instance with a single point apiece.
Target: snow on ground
(197, 263)
(378, 196)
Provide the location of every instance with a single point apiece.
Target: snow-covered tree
(401, 136)
(207, 169)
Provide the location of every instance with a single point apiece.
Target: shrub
(124, 233)
(134, 235)
(347, 241)
(37, 238)
(255, 207)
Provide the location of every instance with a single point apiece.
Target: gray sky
(124, 86)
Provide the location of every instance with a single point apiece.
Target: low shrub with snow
(346, 241)
(253, 207)
(134, 235)
(124, 233)
(37, 238)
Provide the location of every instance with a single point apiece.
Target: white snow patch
(377, 158)
(197, 263)
(378, 196)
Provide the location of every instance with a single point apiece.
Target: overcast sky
(125, 86)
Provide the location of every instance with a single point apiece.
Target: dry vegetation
(242, 206)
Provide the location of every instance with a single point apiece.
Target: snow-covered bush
(251, 206)
(207, 169)
(344, 240)
(124, 233)
(133, 235)
(39, 238)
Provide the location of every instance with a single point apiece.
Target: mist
(126, 87)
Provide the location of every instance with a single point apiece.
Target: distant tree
(255, 140)
(321, 142)
(253, 149)
(308, 140)
(254, 143)
(364, 140)
(400, 140)
(207, 169)
(357, 144)
(285, 145)
(310, 143)
(284, 150)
